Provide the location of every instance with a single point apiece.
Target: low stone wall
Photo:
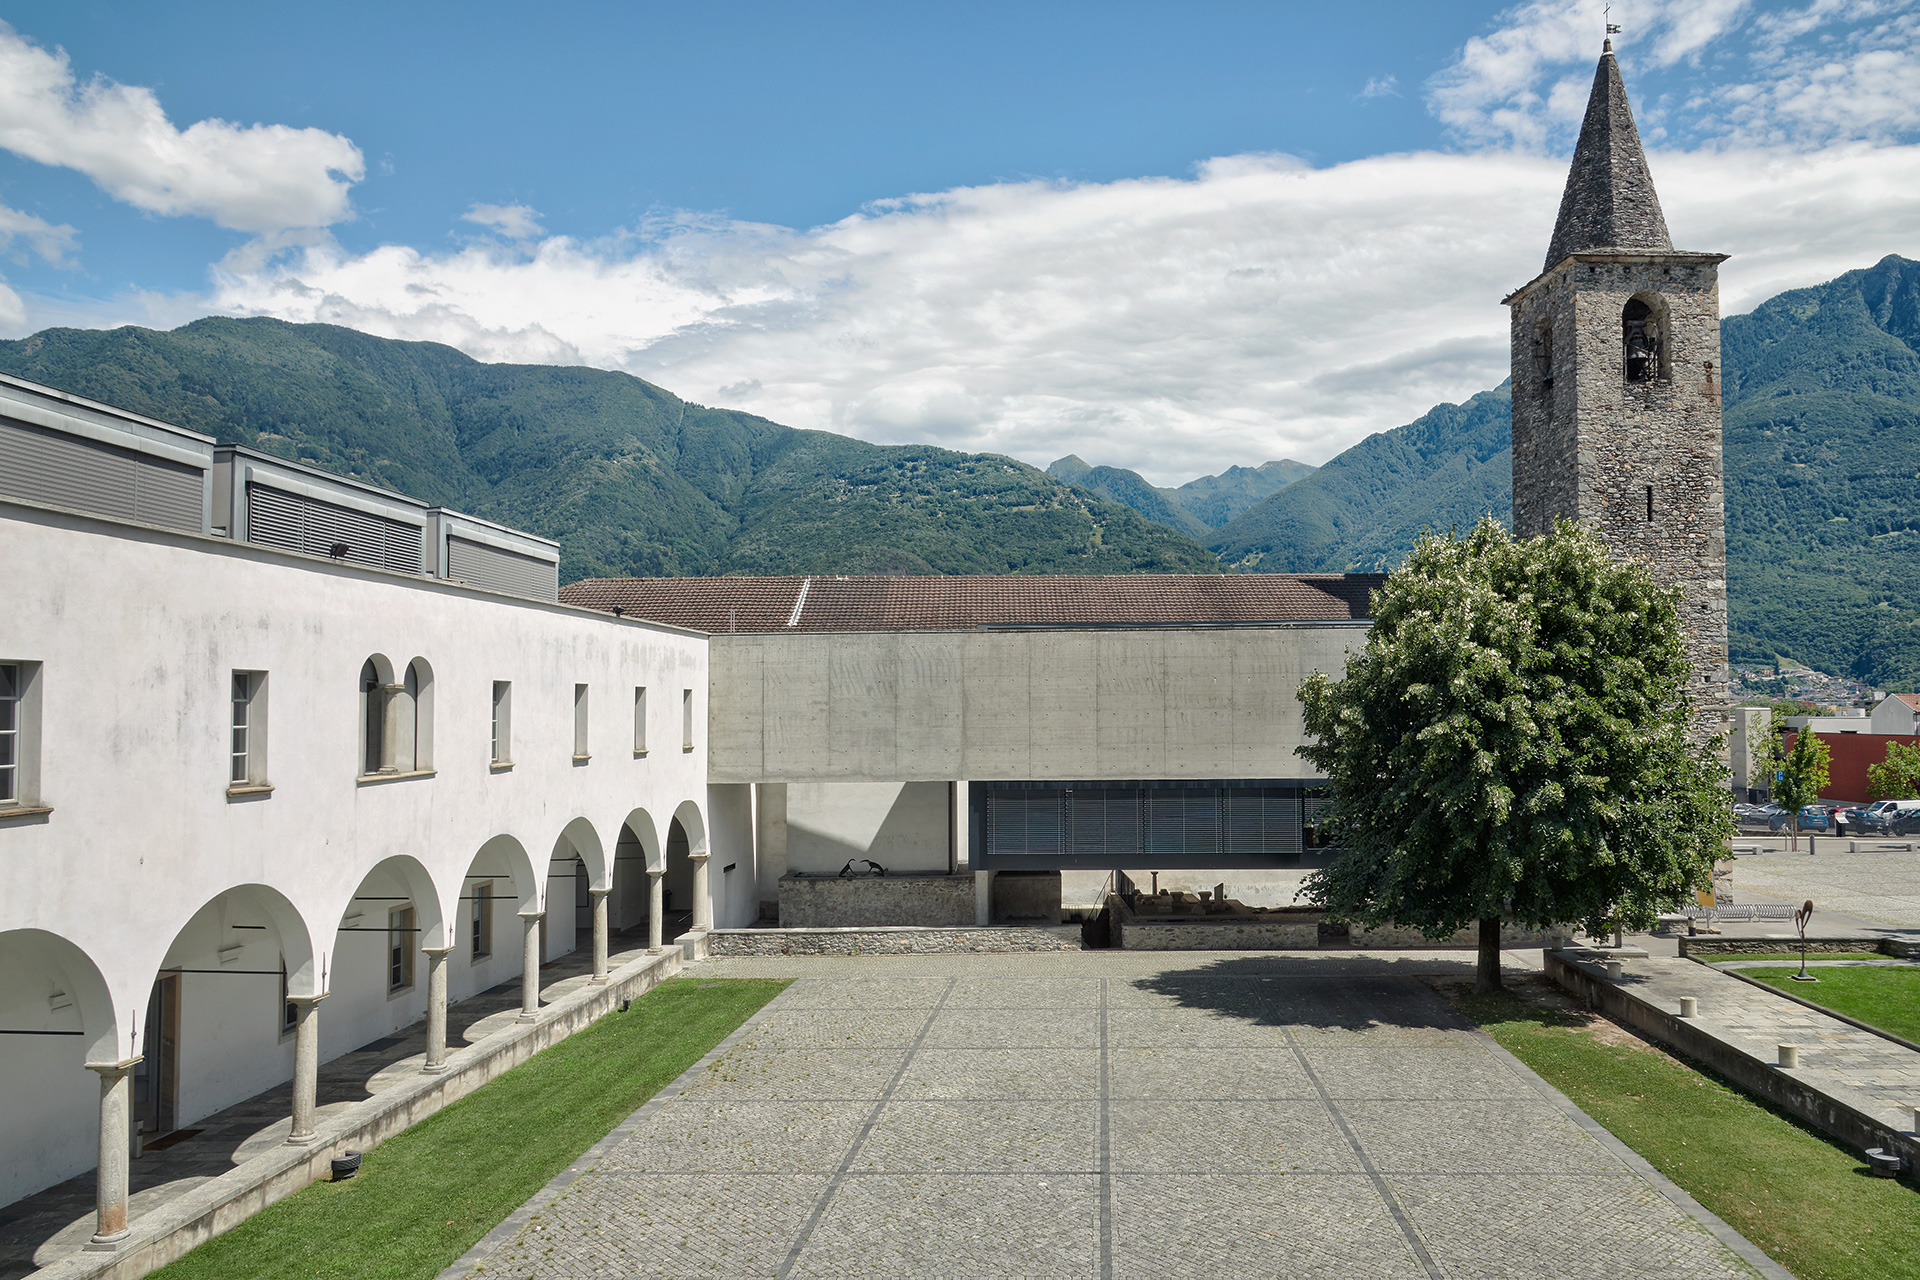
(1288, 931)
(168, 1232)
(922, 901)
(1711, 948)
(1849, 1123)
(890, 941)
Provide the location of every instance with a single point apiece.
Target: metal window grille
(279, 519)
(9, 733)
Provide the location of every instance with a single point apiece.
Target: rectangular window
(19, 735)
(1649, 504)
(289, 1011)
(502, 717)
(9, 734)
(480, 929)
(640, 720)
(579, 722)
(686, 719)
(400, 949)
(247, 747)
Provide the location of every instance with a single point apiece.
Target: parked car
(1814, 817)
(1882, 815)
(1850, 820)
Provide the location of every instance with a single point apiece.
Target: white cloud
(1260, 309)
(258, 178)
(1380, 87)
(1704, 71)
(514, 221)
(52, 242)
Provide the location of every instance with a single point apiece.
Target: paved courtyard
(1879, 886)
(1110, 1115)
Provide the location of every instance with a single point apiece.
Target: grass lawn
(1806, 1201)
(1885, 996)
(425, 1196)
(1776, 957)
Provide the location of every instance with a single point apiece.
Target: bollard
(1789, 1055)
(1614, 968)
(1689, 1006)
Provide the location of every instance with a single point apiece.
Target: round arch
(694, 823)
(51, 985)
(429, 913)
(639, 827)
(504, 858)
(578, 839)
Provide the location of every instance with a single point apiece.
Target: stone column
(306, 1067)
(110, 1180)
(656, 907)
(599, 933)
(530, 966)
(436, 1008)
(702, 894)
(390, 727)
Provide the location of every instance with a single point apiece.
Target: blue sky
(1164, 236)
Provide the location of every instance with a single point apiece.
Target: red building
(1852, 754)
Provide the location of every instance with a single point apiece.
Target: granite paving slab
(1211, 1117)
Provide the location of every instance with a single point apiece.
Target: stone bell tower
(1616, 383)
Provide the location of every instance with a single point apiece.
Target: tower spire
(1609, 203)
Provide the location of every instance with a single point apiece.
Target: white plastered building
(288, 762)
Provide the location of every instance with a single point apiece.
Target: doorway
(156, 1076)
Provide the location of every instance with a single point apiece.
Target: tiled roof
(1911, 699)
(965, 603)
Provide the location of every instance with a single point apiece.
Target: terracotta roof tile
(964, 603)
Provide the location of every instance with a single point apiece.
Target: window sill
(499, 766)
(639, 752)
(580, 759)
(247, 790)
(18, 811)
(688, 747)
(369, 779)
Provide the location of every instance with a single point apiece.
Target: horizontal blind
(502, 570)
(1104, 820)
(1262, 820)
(295, 522)
(1182, 820)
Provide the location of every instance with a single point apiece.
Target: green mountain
(1822, 457)
(1197, 506)
(629, 478)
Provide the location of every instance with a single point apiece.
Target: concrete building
(275, 783)
(1616, 384)
(983, 735)
(1897, 713)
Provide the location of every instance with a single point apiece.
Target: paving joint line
(853, 1152)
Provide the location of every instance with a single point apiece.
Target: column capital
(699, 857)
(440, 953)
(531, 916)
(117, 1068)
(312, 999)
(656, 874)
(601, 893)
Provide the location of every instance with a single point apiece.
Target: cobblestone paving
(1201, 1117)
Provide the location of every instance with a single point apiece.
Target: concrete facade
(1044, 704)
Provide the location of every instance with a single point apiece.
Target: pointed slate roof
(1609, 202)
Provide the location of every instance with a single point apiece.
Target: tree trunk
(1488, 976)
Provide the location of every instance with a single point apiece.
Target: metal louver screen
(1024, 822)
(1164, 824)
(71, 471)
(297, 523)
(502, 570)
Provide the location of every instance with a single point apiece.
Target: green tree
(1799, 771)
(1898, 776)
(1513, 741)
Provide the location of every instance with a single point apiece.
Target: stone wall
(1724, 948)
(890, 941)
(926, 901)
(1288, 931)
(1589, 445)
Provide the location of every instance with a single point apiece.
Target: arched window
(378, 745)
(1643, 339)
(416, 717)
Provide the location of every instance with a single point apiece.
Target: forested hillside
(1196, 507)
(629, 478)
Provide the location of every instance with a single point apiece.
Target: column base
(301, 1139)
(601, 978)
(433, 1068)
(108, 1244)
(528, 1017)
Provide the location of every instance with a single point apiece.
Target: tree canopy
(1898, 776)
(1514, 740)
